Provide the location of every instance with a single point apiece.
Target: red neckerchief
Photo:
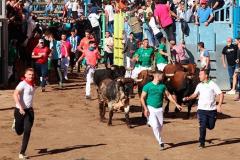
(31, 83)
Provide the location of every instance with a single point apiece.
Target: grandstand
(226, 24)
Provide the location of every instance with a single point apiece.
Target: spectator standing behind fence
(94, 20)
(40, 54)
(135, 24)
(207, 91)
(75, 6)
(215, 4)
(69, 6)
(108, 49)
(109, 16)
(204, 14)
(129, 48)
(163, 15)
(155, 28)
(229, 53)
(48, 7)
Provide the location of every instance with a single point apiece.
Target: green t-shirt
(144, 56)
(159, 57)
(155, 94)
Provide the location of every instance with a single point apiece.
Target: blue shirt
(204, 14)
(74, 41)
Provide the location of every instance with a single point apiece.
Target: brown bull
(182, 83)
(112, 94)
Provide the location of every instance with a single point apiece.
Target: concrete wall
(214, 36)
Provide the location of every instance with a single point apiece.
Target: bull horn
(169, 75)
(189, 77)
(138, 80)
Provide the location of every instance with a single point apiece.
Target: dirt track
(67, 127)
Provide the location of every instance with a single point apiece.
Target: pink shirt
(180, 52)
(91, 57)
(65, 48)
(162, 11)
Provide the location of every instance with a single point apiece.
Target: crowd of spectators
(144, 19)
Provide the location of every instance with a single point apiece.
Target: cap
(203, 1)
(41, 41)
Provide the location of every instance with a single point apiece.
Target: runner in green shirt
(143, 58)
(152, 100)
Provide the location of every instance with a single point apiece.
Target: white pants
(137, 70)
(89, 81)
(128, 66)
(161, 66)
(155, 120)
(64, 66)
(10, 71)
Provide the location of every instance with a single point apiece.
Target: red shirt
(41, 51)
(91, 56)
(65, 48)
(84, 43)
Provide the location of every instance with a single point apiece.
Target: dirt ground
(67, 127)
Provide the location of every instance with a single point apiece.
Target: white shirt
(109, 10)
(26, 95)
(74, 6)
(207, 93)
(69, 4)
(153, 25)
(93, 18)
(108, 41)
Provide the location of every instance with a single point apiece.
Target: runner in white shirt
(155, 28)
(23, 113)
(207, 91)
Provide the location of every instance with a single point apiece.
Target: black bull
(179, 84)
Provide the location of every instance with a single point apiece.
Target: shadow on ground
(46, 151)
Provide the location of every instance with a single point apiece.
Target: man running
(207, 91)
(152, 100)
(91, 55)
(23, 113)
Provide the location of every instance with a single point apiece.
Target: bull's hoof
(102, 119)
(109, 124)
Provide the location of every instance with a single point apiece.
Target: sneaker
(22, 156)
(231, 92)
(88, 97)
(201, 146)
(237, 98)
(60, 84)
(66, 78)
(162, 146)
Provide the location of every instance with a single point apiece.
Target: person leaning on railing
(204, 14)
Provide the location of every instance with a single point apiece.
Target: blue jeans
(42, 71)
(139, 36)
(207, 119)
(231, 70)
(110, 27)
